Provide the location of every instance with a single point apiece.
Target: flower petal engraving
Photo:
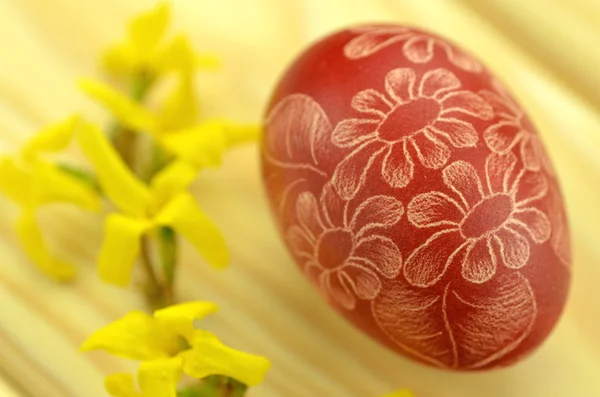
(468, 103)
(480, 262)
(514, 248)
(372, 41)
(338, 287)
(535, 222)
(351, 132)
(399, 84)
(283, 190)
(434, 209)
(514, 127)
(503, 107)
(438, 81)
(307, 211)
(529, 186)
(364, 282)
(314, 272)
(350, 174)
(418, 49)
(377, 211)
(298, 132)
(559, 239)
(428, 263)
(498, 171)
(502, 137)
(371, 101)
(432, 153)
(461, 177)
(300, 243)
(463, 60)
(333, 206)
(458, 132)
(381, 253)
(398, 167)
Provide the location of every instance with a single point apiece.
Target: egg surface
(413, 191)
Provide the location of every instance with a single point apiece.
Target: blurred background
(545, 50)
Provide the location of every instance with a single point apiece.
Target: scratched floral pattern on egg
(430, 111)
(513, 129)
(498, 210)
(417, 48)
(346, 257)
(415, 194)
(458, 328)
(560, 241)
(303, 131)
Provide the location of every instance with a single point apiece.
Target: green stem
(153, 286)
(80, 174)
(159, 159)
(125, 140)
(215, 386)
(167, 245)
(237, 389)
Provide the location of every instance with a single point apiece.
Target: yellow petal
(15, 182)
(180, 318)
(127, 192)
(50, 184)
(203, 145)
(146, 30)
(237, 134)
(53, 138)
(180, 108)
(183, 214)
(136, 336)
(123, 108)
(177, 55)
(159, 378)
(121, 385)
(117, 60)
(34, 247)
(120, 248)
(207, 61)
(209, 356)
(171, 180)
(400, 393)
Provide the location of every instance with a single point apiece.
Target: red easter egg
(414, 192)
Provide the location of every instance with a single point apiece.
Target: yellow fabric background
(547, 51)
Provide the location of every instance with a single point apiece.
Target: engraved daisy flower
(418, 47)
(345, 257)
(500, 215)
(514, 128)
(422, 115)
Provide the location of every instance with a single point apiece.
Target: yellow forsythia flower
(32, 182)
(168, 344)
(141, 50)
(156, 378)
(143, 208)
(173, 128)
(400, 393)
(174, 125)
